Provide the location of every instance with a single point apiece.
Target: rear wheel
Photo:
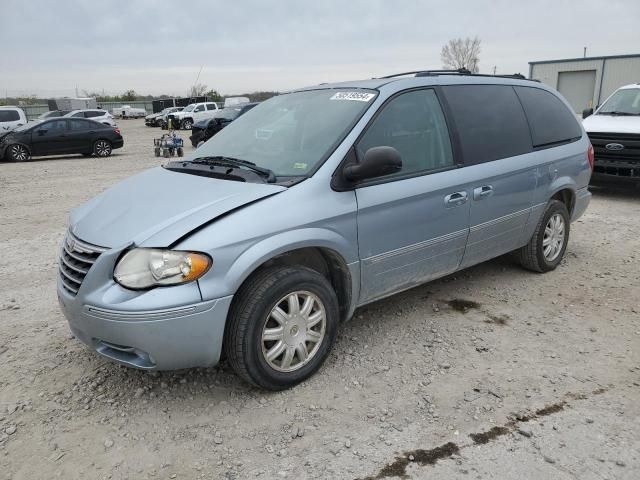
(547, 246)
(18, 153)
(102, 148)
(281, 327)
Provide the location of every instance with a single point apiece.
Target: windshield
(189, 108)
(229, 113)
(626, 101)
(293, 133)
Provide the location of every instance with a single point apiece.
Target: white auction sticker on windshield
(356, 96)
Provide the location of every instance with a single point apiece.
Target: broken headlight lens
(149, 267)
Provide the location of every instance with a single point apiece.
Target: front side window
(78, 115)
(9, 115)
(623, 102)
(199, 108)
(413, 124)
(189, 108)
(490, 122)
(212, 106)
(55, 127)
(293, 133)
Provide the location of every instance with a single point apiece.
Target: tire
(18, 153)
(102, 148)
(186, 124)
(539, 255)
(251, 315)
(156, 151)
(165, 153)
(180, 152)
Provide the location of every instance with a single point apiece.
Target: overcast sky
(48, 47)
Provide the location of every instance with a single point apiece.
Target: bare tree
(198, 90)
(461, 53)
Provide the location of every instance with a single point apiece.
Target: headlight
(149, 267)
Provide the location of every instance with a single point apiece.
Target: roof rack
(459, 71)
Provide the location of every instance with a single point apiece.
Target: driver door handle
(456, 199)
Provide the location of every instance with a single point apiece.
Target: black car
(60, 136)
(205, 129)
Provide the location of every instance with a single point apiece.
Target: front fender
(229, 281)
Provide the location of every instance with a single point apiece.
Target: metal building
(587, 82)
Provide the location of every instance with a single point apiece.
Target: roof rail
(459, 71)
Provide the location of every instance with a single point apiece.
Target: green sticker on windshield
(300, 165)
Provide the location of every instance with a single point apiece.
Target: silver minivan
(318, 201)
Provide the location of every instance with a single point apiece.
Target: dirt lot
(539, 378)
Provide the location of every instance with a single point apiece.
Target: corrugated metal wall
(611, 73)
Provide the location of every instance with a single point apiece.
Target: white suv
(97, 115)
(193, 113)
(10, 118)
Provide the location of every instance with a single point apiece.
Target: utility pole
(585, 53)
(494, 69)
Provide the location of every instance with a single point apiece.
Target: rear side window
(490, 122)
(413, 124)
(550, 120)
(93, 113)
(78, 125)
(9, 115)
(211, 106)
(78, 115)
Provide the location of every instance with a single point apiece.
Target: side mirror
(587, 112)
(377, 161)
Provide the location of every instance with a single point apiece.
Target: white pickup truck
(10, 118)
(191, 114)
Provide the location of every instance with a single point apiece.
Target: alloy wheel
(19, 153)
(103, 148)
(553, 240)
(293, 331)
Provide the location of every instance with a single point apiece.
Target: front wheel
(281, 326)
(547, 246)
(187, 124)
(18, 153)
(102, 148)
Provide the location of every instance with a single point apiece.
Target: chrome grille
(76, 259)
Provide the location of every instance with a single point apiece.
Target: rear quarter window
(550, 120)
(9, 115)
(490, 122)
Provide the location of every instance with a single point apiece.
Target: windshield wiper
(236, 163)
(616, 112)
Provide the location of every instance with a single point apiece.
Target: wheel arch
(567, 195)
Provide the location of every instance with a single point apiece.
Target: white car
(10, 118)
(614, 131)
(101, 116)
(193, 113)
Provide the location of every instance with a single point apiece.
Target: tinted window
(490, 122)
(93, 113)
(55, 127)
(9, 115)
(199, 108)
(211, 106)
(78, 125)
(550, 120)
(413, 124)
(78, 114)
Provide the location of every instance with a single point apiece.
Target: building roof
(584, 59)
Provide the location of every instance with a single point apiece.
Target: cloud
(156, 47)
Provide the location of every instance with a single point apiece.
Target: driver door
(49, 138)
(413, 224)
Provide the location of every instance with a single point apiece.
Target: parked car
(101, 116)
(52, 114)
(155, 119)
(127, 111)
(318, 201)
(191, 114)
(10, 118)
(162, 121)
(60, 136)
(614, 130)
(205, 129)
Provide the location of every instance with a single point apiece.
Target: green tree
(214, 96)
(129, 95)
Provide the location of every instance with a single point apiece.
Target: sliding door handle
(455, 199)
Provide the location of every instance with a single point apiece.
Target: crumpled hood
(612, 124)
(158, 206)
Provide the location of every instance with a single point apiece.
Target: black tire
(156, 151)
(180, 152)
(250, 313)
(102, 148)
(18, 153)
(532, 256)
(186, 124)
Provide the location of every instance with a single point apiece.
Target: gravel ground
(493, 372)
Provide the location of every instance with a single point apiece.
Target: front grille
(76, 259)
(621, 163)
